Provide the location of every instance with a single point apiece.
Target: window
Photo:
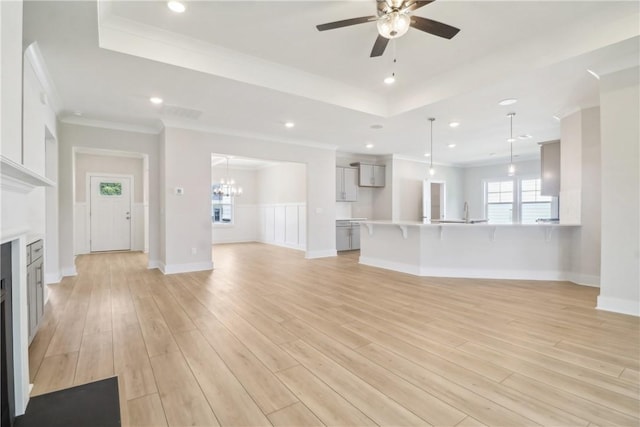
(517, 201)
(500, 202)
(111, 189)
(221, 206)
(533, 204)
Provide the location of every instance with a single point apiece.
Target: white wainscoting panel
(283, 225)
(280, 224)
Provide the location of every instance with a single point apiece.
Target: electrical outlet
(194, 251)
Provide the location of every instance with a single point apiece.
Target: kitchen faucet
(466, 212)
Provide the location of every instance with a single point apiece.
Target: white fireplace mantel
(18, 178)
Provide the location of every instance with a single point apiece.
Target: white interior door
(110, 214)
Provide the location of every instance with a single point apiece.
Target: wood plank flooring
(270, 338)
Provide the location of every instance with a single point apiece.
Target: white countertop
(351, 219)
(482, 224)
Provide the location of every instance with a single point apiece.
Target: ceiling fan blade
(434, 27)
(379, 46)
(413, 5)
(345, 23)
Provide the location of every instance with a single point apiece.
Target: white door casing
(110, 213)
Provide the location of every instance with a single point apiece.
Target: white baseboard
(618, 305)
(320, 254)
(391, 265)
(50, 278)
(227, 241)
(68, 271)
(470, 273)
(584, 279)
(185, 268)
(153, 263)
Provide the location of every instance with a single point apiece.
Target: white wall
(586, 253)
(282, 183)
(620, 269)
(571, 168)
(187, 221)
(474, 178)
(92, 163)
(70, 136)
(408, 179)
(11, 80)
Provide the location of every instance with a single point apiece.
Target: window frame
(214, 202)
(516, 214)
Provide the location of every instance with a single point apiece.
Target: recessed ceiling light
(454, 124)
(508, 101)
(369, 145)
(376, 126)
(511, 140)
(557, 118)
(176, 6)
(525, 136)
(390, 80)
(451, 145)
(77, 113)
(155, 100)
(289, 124)
(427, 154)
(593, 73)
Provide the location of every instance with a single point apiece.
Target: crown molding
(34, 56)
(106, 124)
(177, 124)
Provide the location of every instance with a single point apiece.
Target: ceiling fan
(394, 19)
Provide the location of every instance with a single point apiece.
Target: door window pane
(111, 189)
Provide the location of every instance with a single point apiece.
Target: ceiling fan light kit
(394, 24)
(393, 20)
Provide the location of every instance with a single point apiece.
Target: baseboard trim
(154, 263)
(68, 271)
(185, 268)
(584, 279)
(390, 265)
(320, 254)
(51, 278)
(463, 273)
(619, 305)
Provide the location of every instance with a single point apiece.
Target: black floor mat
(89, 405)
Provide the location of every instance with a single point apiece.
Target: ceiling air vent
(180, 112)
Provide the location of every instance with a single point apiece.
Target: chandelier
(227, 187)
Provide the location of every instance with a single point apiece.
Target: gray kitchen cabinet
(347, 235)
(346, 184)
(35, 286)
(550, 168)
(371, 175)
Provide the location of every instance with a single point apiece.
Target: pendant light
(432, 171)
(227, 186)
(512, 168)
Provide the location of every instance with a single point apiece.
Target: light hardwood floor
(269, 338)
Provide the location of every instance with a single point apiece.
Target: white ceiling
(247, 67)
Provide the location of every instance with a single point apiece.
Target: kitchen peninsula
(494, 251)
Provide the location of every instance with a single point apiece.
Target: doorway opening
(434, 200)
(271, 209)
(111, 201)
